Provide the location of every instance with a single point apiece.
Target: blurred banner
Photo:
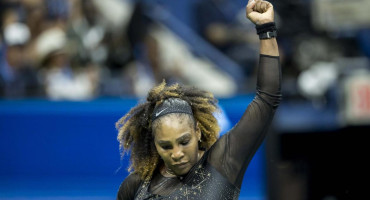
(337, 15)
(357, 99)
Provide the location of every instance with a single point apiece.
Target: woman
(172, 137)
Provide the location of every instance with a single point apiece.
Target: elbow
(276, 103)
(273, 100)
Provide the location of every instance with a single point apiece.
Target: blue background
(66, 150)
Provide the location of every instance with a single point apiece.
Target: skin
(176, 140)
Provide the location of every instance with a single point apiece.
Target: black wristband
(267, 27)
(267, 30)
(268, 35)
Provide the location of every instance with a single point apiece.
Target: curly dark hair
(135, 128)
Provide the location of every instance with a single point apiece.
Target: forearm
(269, 47)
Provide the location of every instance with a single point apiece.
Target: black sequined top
(219, 173)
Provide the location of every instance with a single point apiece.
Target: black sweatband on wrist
(267, 27)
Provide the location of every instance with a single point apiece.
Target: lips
(180, 165)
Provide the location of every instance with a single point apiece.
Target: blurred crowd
(84, 49)
(61, 49)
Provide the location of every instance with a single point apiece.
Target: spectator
(221, 23)
(61, 80)
(17, 78)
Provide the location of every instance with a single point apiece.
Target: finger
(257, 7)
(269, 6)
(270, 9)
(264, 5)
(250, 6)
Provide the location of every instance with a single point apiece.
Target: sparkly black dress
(219, 173)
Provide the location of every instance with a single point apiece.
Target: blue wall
(72, 146)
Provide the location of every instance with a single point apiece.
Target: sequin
(203, 182)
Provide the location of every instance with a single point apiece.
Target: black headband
(171, 105)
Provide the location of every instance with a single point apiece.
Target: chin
(181, 172)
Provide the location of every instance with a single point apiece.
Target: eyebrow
(183, 137)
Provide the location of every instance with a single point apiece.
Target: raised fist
(260, 12)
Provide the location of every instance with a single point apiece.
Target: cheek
(163, 154)
(191, 149)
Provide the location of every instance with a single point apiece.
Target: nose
(177, 154)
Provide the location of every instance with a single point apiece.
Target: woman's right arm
(129, 187)
(233, 152)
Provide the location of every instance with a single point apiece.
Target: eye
(166, 147)
(184, 142)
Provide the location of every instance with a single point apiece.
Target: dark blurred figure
(97, 36)
(63, 79)
(18, 77)
(221, 23)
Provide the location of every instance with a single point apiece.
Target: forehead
(173, 126)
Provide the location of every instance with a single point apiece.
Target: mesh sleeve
(232, 153)
(129, 187)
